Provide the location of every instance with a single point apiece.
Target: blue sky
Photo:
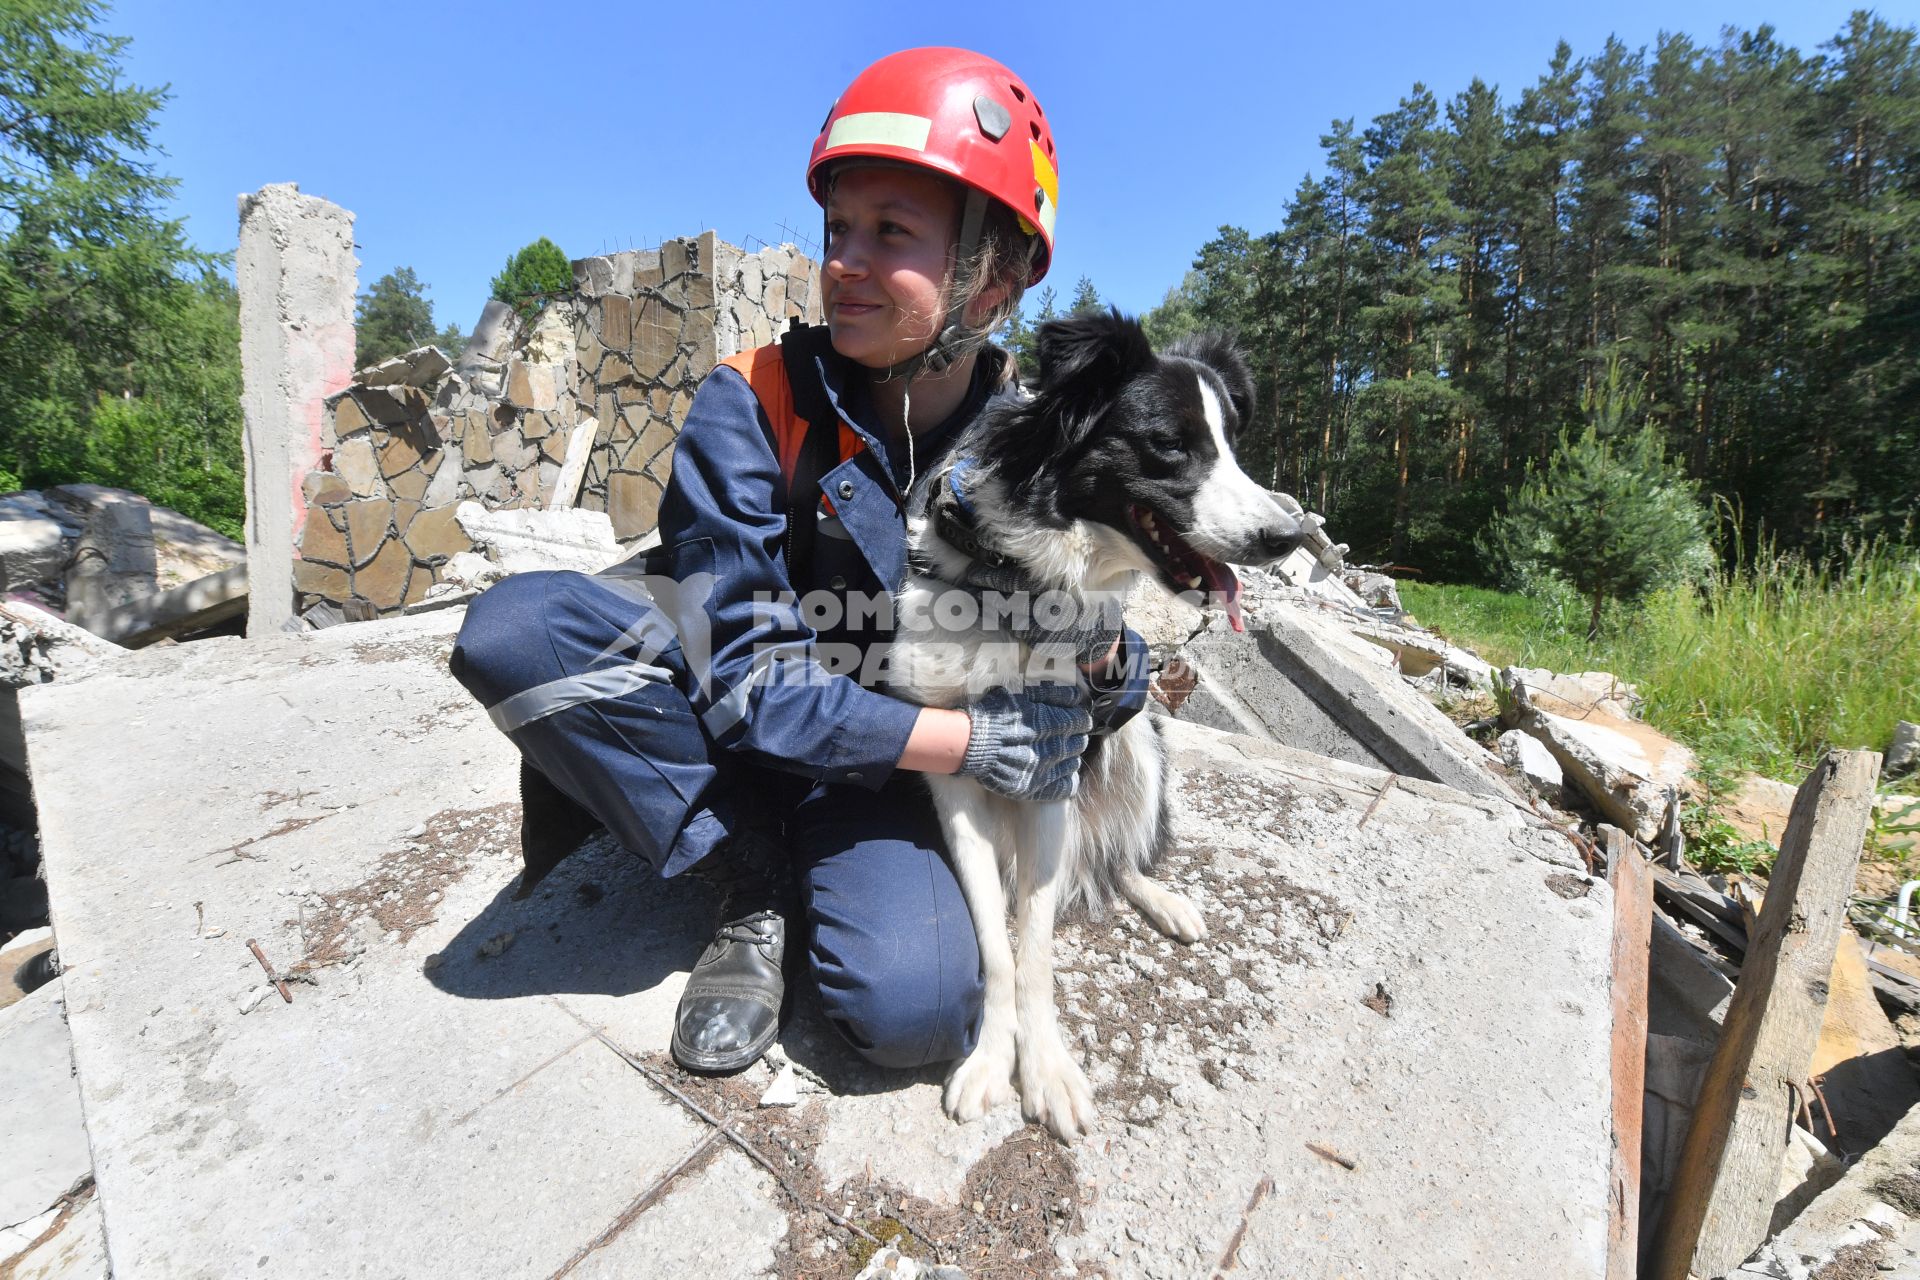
(458, 133)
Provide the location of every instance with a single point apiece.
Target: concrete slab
(382, 1117)
(40, 1126)
(1407, 977)
(1307, 681)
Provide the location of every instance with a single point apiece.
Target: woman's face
(884, 280)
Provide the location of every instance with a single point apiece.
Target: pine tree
(1407, 215)
(392, 318)
(1086, 298)
(87, 262)
(532, 275)
(1609, 514)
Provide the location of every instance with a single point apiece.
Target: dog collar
(953, 518)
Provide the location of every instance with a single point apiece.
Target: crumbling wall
(415, 436)
(652, 325)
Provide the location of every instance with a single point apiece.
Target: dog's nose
(1278, 536)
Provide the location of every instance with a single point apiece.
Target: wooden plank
(1723, 1192)
(1631, 877)
(1712, 910)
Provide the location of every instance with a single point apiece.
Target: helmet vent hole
(1035, 126)
(1019, 94)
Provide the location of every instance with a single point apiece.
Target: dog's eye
(1172, 442)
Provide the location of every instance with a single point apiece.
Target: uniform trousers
(890, 944)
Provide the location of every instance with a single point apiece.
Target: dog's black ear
(1217, 352)
(1084, 359)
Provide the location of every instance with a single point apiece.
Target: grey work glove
(1026, 744)
(1086, 631)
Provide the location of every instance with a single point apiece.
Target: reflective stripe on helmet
(880, 129)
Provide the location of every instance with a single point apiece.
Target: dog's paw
(1174, 916)
(980, 1083)
(1054, 1092)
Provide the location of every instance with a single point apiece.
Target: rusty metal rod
(272, 977)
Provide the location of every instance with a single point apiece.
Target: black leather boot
(729, 1012)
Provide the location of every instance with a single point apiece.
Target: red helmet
(957, 113)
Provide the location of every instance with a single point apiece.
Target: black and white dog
(1121, 464)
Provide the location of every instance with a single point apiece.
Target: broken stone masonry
(579, 408)
(294, 975)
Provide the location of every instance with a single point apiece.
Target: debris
(784, 1091)
(1903, 751)
(891, 1264)
(45, 1137)
(272, 977)
(1529, 757)
(192, 606)
(1379, 1000)
(573, 468)
(114, 564)
(496, 945)
(1868, 1083)
(1327, 1153)
(517, 541)
(1632, 884)
(1569, 886)
(1261, 1190)
(1622, 767)
(1723, 1195)
(1384, 788)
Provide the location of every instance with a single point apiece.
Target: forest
(1726, 232)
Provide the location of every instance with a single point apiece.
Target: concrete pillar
(297, 277)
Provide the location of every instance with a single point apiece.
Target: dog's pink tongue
(1222, 584)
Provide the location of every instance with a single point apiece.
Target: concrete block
(718, 1225)
(33, 546)
(297, 277)
(385, 1116)
(1867, 1223)
(193, 606)
(113, 565)
(1530, 759)
(40, 1124)
(68, 1243)
(522, 540)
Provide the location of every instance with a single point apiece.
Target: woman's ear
(985, 301)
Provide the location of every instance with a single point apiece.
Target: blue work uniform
(696, 690)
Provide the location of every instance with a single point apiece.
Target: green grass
(1764, 668)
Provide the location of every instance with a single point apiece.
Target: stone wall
(414, 436)
(653, 324)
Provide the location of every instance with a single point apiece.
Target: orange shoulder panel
(766, 373)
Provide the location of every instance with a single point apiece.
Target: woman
(715, 701)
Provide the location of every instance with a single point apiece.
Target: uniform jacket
(724, 513)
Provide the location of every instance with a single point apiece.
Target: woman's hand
(1026, 743)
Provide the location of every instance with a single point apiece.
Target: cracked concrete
(1398, 1020)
